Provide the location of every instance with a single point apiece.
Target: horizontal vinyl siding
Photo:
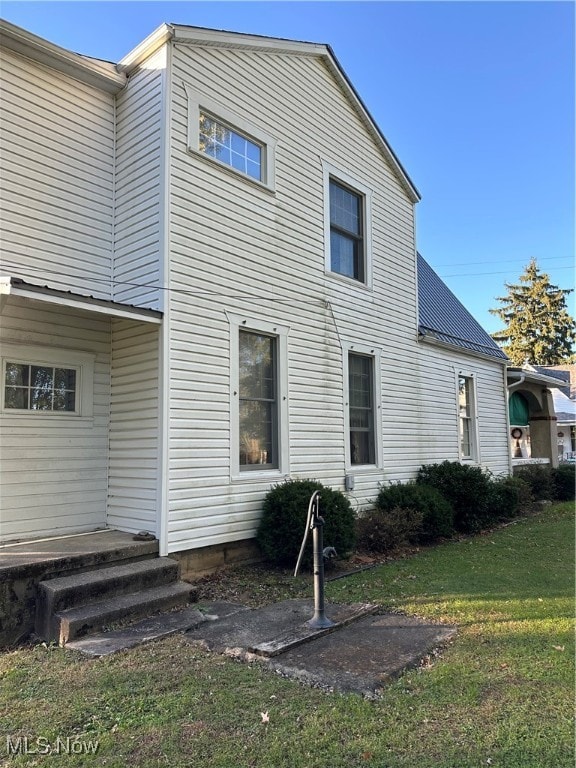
(438, 434)
(138, 184)
(238, 248)
(133, 471)
(57, 143)
(54, 469)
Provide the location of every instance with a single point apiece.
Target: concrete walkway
(363, 651)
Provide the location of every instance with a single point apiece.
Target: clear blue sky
(476, 99)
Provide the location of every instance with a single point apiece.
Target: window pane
(361, 447)
(17, 375)
(256, 366)
(342, 254)
(230, 147)
(41, 399)
(345, 209)
(64, 378)
(465, 444)
(256, 432)
(16, 397)
(64, 401)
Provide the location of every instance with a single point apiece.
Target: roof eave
(221, 38)
(428, 338)
(100, 74)
(13, 286)
(146, 48)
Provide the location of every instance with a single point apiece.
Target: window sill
(363, 469)
(270, 475)
(349, 281)
(229, 169)
(45, 419)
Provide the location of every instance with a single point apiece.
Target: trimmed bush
(467, 488)
(381, 530)
(563, 480)
(283, 520)
(540, 480)
(508, 497)
(437, 513)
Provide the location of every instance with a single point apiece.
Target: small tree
(539, 330)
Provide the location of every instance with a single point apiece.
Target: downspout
(510, 387)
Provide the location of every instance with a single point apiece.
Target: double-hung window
(361, 409)
(467, 418)
(259, 398)
(258, 401)
(347, 227)
(346, 232)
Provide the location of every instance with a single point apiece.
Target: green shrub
(508, 497)
(563, 478)
(539, 478)
(437, 512)
(283, 521)
(467, 488)
(379, 530)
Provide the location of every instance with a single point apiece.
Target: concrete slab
(152, 628)
(365, 655)
(359, 656)
(273, 629)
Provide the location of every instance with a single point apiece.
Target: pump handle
(308, 527)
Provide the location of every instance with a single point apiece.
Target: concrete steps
(74, 606)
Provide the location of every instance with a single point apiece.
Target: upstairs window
(229, 146)
(39, 388)
(346, 232)
(228, 140)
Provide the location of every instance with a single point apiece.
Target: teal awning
(518, 407)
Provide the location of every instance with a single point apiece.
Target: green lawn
(501, 694)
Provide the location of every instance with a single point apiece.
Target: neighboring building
(210, 286)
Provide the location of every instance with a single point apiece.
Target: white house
(210, 284)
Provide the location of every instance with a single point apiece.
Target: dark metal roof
(444, 318)
(89, 302)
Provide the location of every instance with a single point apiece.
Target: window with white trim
(230, 141)
(467, 418)
(258, 401)
(46, 381)
(259, 404)
(347, 213)
(39, 387)
(361, 409)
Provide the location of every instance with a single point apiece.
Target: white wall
(236, 247)
(139, 185)
(437, 432)
(57, 142)
(54, 467)
(134, 480)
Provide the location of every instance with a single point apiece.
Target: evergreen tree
(539, 330)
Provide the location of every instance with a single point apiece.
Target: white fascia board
(222, 38)
(73, 302)
(517, 374)
(219, 38)
(146, 48)
(346, 84)
(100, 74)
